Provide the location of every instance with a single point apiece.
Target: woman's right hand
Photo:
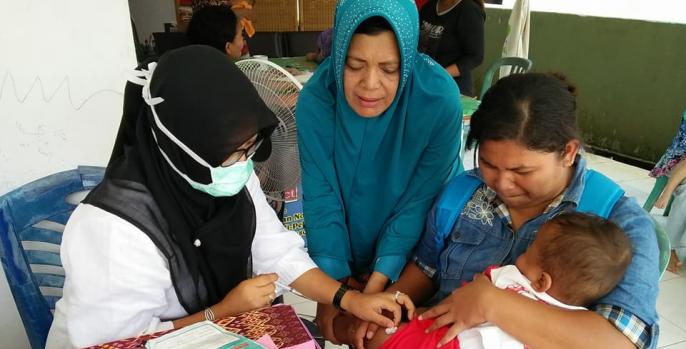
(251, 294)
(464, 308)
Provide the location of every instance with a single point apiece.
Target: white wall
(62, 72)
(150, 16)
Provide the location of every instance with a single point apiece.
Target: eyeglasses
(237, 155)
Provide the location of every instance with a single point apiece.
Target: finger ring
(397, 294)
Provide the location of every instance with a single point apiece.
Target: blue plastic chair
(32, 219)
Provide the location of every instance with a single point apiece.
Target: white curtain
(517, 40)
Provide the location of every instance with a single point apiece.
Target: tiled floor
(671, 303)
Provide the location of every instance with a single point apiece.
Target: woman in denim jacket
(530, 164)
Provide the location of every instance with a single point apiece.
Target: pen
(291, 290)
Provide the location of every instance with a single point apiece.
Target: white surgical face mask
(226, 181)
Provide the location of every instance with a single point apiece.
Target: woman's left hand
(463, 309)
(369, 307)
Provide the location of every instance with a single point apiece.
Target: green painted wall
(630, 75)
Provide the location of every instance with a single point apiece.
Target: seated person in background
(676, 220)
(198, 4)
(575, 260)
(219, 27)
(673, 164)
(323, 47)
(244, 11)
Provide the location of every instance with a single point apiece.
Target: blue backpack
(599, 196)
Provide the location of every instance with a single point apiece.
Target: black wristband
(339, 295)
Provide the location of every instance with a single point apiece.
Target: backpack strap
(600, 194)
(451, 204)
(447, 209)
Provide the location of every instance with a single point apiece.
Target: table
(300, 63)
(280, 322)
(299, 67)
(469, 105)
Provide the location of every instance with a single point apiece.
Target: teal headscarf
(368, 183)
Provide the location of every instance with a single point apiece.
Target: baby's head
(577, 258)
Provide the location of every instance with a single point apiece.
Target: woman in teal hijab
(379, 134)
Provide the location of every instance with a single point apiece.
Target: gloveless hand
(463, 309)
(251, 294)
(369, 307)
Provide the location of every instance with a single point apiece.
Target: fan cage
(279, 90)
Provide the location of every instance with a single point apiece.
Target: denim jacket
(482, 237)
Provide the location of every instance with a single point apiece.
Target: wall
(150, 16)
(667, 11)
(630, 75)
(60, 97)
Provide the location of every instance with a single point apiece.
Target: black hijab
(212, 107)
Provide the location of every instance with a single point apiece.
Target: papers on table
(304, 77)
(202, 335)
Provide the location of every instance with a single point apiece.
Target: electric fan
(279, 90)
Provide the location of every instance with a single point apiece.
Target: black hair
(481, 6)
(198, 4)
(373, 26)
(213, 25)
(536, 110)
